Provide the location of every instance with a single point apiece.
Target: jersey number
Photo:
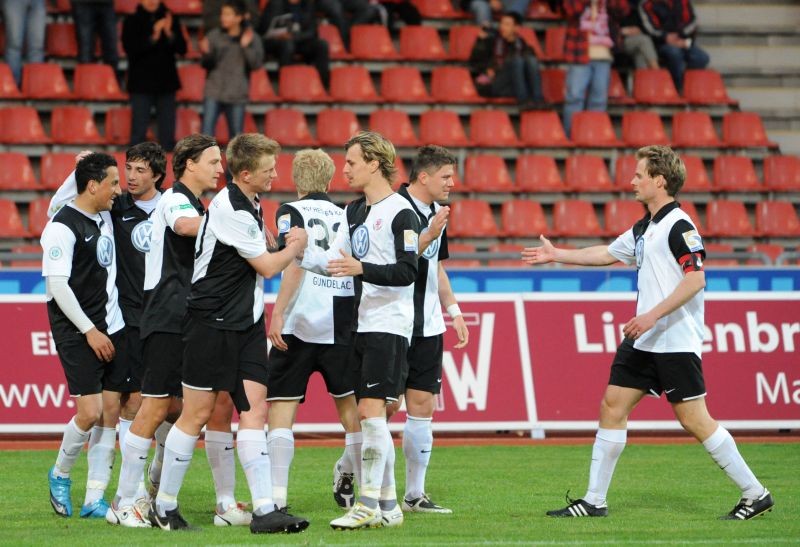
(325, 241)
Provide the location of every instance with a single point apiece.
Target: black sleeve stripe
(444, 253)
(677, 242)
(295, 219)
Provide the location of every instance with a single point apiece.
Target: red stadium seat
(284, 181)
(624, 169)
(301, 84)
(777, 219)
(523, 218)
(222, 134)
(118, 125)
(97, 82)
(185, 7)
(395, 125)
(339, 181)
(554, 85)
(471, 218)
(260, 88)
(554, 42)
(492, 128)
(421, 43)
(690, 209)
(530, 38)
(728, 219)
(714, 248)
(654, 86)
(60, 40)
(617, 94)
(453, 84)
(336, 48)
(455, 248)
(506, 262)
(772, 250)
(402, 174)
(542, 129)
(193, 83)
(192, 51)
(538, 174)
(37, 215)
(437, 9)
(21, 125)
(10, 220)
(403, 84)
(705, 87)
(270, 207)
(353, 84)
(575, 218)
(442, 127)
(125, 6)
(736, 174)
(586, 173)
(487, 173)
(462, 40)
(372, 43)
(335, 127)
(745, 129)
(73, 125)
(642, 129)
(288, 126)
(44, 81)
(17, 172)
(696, 175)
(593, 130)
(621, 215)
(694, 130)
(187, 122)
(8, 87)
(26, 263)
(54, 168)
(782, 173)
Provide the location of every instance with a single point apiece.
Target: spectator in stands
(636, 43)
(485, 11)
(289, 27)
(211, 10)
(361, 12)
(96, 17)
(152, 38)
(503, 65)
(673, 26)
(230, 53)
(24, 21)
(592, 32)
(395, 11)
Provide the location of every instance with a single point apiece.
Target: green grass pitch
(661, 494)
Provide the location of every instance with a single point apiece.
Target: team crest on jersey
(378, 224)
(432, 249)
(410, 240)
(639, 252)
(284, 223)
(141, 235)
(55, 253)
(253, 231)
(693, 240)
(105, 251)
(360, 242)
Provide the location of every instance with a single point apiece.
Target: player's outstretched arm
(691, 284)
(271, 264)
(597, 255)
(292, 277)
(317, 260)
(68, 189)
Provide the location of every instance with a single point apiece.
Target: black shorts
(424, 370)
(132, 357)
(88, 375)
(679, 375)
(163, 362)
(289, 371)
(221, 360)
(378, 361)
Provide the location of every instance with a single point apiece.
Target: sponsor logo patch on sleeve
(284, 223)
(693, 240)
(410, 240)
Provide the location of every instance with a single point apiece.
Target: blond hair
(376, 147)
(662, 160)
(312, 171)
(245, 151)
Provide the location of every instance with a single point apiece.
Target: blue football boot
(60, 494)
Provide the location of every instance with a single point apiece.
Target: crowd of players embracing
(156, 307)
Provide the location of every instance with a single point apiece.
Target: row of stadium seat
(488, 128)
(471, 218)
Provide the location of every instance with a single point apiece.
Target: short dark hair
(190, 148)
(236, 5)
(430, 158)
(514, 15)
(152, 154)
(92, 167)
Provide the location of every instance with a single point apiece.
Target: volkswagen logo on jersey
(639, 252)
(360, 242)
(140, 236)
(105, 251)
(432, 249)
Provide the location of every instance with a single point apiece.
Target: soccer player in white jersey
(431, 180)
(311, 326)
(383, 236)
(79, 266)
(225, 336)
(663, 342)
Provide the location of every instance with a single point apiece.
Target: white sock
(373, 459)
(281, 453)
(71, 445)
(178, 451)
(158, 458)
(102, 449)
(124, 427)
(388, 496)
(722, 448)
(134, 458)
(417, 446)
(219, 451)
(608, 445)
(252, 447)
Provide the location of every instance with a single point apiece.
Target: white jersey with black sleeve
(384, 237)
(664, 248)
(322, 309)
(227, 293)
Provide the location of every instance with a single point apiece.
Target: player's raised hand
(462, 331)
(100, 344)
(439, 221)
(539, 255)
(274, 332)
(345, 266)
(297, 238)
(82, 154)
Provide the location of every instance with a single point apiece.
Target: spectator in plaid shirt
(592, 32)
